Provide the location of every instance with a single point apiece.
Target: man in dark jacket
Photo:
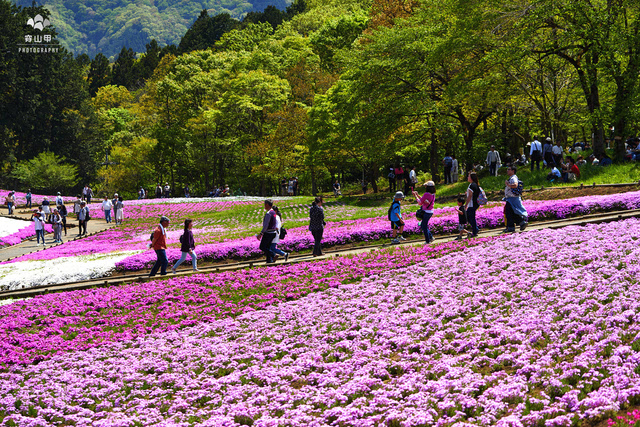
(269, 230)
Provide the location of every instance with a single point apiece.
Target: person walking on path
(56, 220)
(316, 225)
(454, 170)
(85, 192)
(46, 208)
(89, 195)
(106, 207)
(462, 218)
(38, 223)
(513, 208)
(426, 202)
(63, 213)
(120, 210)
(268, 232)
(535, 153)
(276, 240)
(471, 205)
(395, 216)
(187, 246)
(114, 204)
(159, 245)
(399, 172)
(76, 206)
(59, 199)
(448, 165)
(10, 201)
(547, 153)
(493, 160)
(83, 218)
(28, 197)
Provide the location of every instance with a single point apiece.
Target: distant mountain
(92, 26)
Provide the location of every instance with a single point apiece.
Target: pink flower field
(212, 245)
(539, 328)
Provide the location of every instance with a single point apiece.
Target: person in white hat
(426, 202)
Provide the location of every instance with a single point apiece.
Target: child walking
(462, 219)
(395, 216)
(188, 246)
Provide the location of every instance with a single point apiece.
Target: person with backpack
(159, 245)
(448, 165)
(426, 203)
(268, 232)
(316, 225)
(395, 216)
(513, 209)
(28, 197)
(471, 205)
(392, 180)
(187, 246)
(279, 235)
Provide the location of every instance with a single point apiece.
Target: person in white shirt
(413, 176)
(38, 223)
(493, 160)
(59, 200)
(535, 153)
(274, 243)
(557, 152)
(106, 207)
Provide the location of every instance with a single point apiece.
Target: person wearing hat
(38, 223)
(159, 245)
(547, 153)
(59, 200)
(493, 160)
(395, 216)
(45, 208)
(426, 202)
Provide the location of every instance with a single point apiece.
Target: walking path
(142, 276)
(28, 246)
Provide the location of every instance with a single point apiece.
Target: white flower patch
(26, 274)
(11, 301)
(9, 226)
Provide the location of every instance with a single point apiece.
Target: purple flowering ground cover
(37, 329)
(539, 328)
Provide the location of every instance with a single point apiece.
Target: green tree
(124, 70)
(47, 172)
(99, 73)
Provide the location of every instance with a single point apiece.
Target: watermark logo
(36, 42)
(38, 23)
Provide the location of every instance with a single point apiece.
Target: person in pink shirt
(426, 202)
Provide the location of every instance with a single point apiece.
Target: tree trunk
(433, 157)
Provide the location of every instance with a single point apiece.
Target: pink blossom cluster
(539, 328)
(630, 419)
(23, 234)
(151, 210)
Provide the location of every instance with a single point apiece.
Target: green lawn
(614, 174)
